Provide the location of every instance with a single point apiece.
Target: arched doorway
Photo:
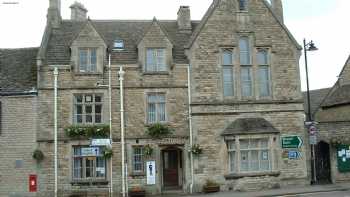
(323, 166)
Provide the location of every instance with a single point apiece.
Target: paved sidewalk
(278, 192)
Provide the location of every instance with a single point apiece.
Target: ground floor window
(88, 163)
(138, 159)
(249, 155)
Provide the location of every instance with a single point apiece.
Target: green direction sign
(292, 142)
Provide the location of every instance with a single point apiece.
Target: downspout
(121, 78)
(55, 73)
(190, 123)
(110, 120)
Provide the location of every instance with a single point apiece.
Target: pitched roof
(340, 96)
(249, 126)
(130, 31)
(211, 10)
(18, 69)
(316, 98)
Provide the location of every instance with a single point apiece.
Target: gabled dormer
(155, 50)
(88, 50)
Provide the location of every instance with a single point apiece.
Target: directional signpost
(292, 142)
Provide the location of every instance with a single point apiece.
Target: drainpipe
(55, 73)
(121, 78)
(110, 120)
(190, 123)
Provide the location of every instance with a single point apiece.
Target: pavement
(290, 191)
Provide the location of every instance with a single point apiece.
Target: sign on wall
(32, 183)
(90, 151)
(151, 172)
(343, 157)
(291, 141)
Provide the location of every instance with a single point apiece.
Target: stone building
(239, 102)
(18, 118)
(331, 111)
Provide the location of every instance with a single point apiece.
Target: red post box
(32, 183)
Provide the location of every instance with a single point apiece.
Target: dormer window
(87, 60)
(155, 60)
(118, 45)
(243, 5)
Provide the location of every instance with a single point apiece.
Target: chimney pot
(184, 19)
(78, 12)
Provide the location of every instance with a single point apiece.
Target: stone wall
(17, 143)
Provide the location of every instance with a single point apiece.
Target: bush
(87, 131)
(158, 130)
(38, 155)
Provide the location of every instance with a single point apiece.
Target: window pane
(88, 109)
(264, 160)
(98, 109)
(244, 51)
(232, 145)
(98, 118)
(79, 98)
(88, 98)
(93, 60)
(89, 167)
(150, 61)
(100, 167)
(262, 57)
(244, 161)
(161, 112)
(161, 60)
(244, 144)
(227, 57)
(88, 119)
(79, 109)
(232, 161)
(242, 4)
(254, 161)
(264, 81)
(77, 151)
(79, 118)
(246, 81)
(83, 54)
(98, 99)
(77, 168)
(264, 143)
(254, 143)
(151, 112)
(227, 72)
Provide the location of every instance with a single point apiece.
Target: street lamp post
(310, 46)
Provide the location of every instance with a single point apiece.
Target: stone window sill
(90, 182)
(137, 174)
(252, 174)
(88, 74)
(156, 73)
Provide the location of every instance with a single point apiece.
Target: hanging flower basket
(107, 153)
(336, 141)
(87, 131)
(148, 150)
(38, 155)
(158, 130)
(196, 149)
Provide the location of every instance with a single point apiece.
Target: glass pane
(264, 81)
(262, 57)
(232, 161)
(88, 109)
(88, 98)
(232, 145)
(79, 98)
(82, 60)
(98, 118)
(93, 60)
(77, 168)
(152, 98)
(98, 98)
(77, 151)
(227, 57)
(161, 112)
(89, 167)
(161, 60)
(98, 109)
(79, 109)
(150, 61)
(244, 51)
(264, 160)
(246, 81)
(264, 143)
(79, 118)
(151, 113)
(254, 143)
(228, 80)
(100, 167)
(161, 98)
(88, 118)
(244, 144)
(244, 161)
(242, 4)
(254, 161)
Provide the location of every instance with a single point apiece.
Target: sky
(326, 22)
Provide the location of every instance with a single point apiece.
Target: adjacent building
(225, 90)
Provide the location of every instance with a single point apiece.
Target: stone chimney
(184, 19)
(54, 13)
(78, 12)
(277, 8)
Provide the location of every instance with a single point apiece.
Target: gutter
(190, 123)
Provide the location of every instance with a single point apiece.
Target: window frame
(84, 104)
(230, 66)
(261, 65)
(236, 141)
(243, 5)
(83, 161)
(142, 158)
(156, 68)
(157, 104)
(90, 68)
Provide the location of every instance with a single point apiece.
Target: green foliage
(87, 131)
(107, 153)
(38, 155)
(158, 130)
(211, 183)
(196, 149)
(148, 150)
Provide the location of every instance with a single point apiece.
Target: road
(323, 194)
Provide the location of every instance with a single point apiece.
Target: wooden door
(323, 167)
(170, 168)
